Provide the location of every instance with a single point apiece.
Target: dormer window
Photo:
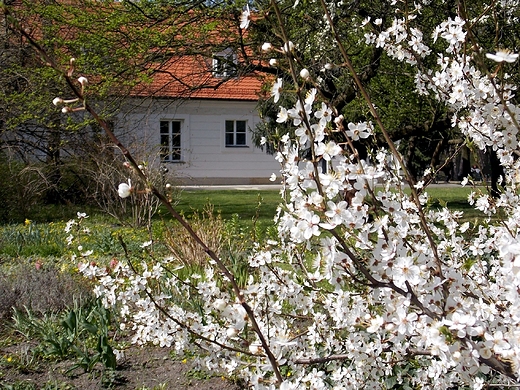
(224, 64)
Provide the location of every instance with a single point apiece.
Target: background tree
(421, 126)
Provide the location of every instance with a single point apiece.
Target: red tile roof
(192, 77)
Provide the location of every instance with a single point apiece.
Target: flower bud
(338, 119)
(485, 353)
(57, 101)
(267, 46)
(288, 46)
(273, 62)
(124, 190)
(83, 81)
(304, 74)
(254, 348)
(231, 332)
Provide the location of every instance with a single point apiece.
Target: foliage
(417, 122)
(237, 235)
(83, 332)
(32, 239)
(103, 175)
(22, 188)
(125, 42)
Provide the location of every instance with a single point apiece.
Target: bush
(102, 175)
(39, 286)
(21, 189)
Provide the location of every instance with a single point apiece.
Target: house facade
(196, 116)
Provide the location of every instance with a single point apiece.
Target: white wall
(205, 158)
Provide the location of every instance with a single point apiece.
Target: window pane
(170, 138)
(164, 154)
(164, 126)
(241, 139)
(176, 141)
(241, 126)
(236, 133)
(230, 139)
(165, 140)
(224, 64)
(230, 126)
(176, 154)
(176, 127)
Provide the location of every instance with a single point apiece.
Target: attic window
(224, 64)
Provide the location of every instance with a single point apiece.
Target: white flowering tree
(367, 286)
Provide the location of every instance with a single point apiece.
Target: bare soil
(142, 368)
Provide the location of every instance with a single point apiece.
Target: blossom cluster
(366, 287)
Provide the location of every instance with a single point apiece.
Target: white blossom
(276, 89)
(245, 18)
(125, 190)
(503, 56)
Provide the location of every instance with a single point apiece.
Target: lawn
(246, 204)
(41, 238)
(250, 204)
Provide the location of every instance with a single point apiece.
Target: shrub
(209, 227)
(21, 189)
(38, 285)
(104, 171)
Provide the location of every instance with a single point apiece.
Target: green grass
(456, 195)
(244, 207)
(246, 204)
(455, 198)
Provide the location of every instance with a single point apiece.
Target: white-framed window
(236, 133)
(170, 134)
(224, 64)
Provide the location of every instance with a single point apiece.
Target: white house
(196, 115)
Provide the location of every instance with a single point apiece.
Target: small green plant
(24, 361)
(19, 385)
(198, 374)
(161, 386)
(45, 329)
(82, 334)
(31, 239)
(54, 385)
(24, 385)
(91, 326)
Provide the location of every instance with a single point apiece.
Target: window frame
(172, 146)
(234, 134)
(221, 64)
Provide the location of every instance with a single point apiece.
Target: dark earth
(142, 368)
